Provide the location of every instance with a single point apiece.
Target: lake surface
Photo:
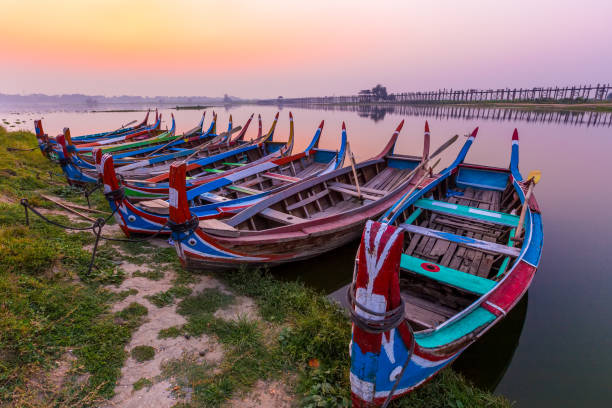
(554, 349)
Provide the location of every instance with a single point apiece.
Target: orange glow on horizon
(267, 48)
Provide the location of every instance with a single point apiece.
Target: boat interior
(332, 195)
(458, 243)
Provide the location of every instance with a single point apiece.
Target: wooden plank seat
(156, 206)
(281, 177)
(352, 191)
(464, 211)
(281, 217)
(448, 276)
(486, 246)
(243, 189)
(353, 187)
(308, 200)
(213, 197)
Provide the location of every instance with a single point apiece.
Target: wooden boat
(84, 172)
(226, 193)
(139, 133)
(437, 271)
(123, 130)
(147, 167)
(228, 159)
(300, 222)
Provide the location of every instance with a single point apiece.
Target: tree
(380, 91)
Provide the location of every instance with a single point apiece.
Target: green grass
(170, 332)
(153, 275)
(141, 383)
(166, 298)
(49, 301)
(143, 353)
(132, 316)
(247, 357)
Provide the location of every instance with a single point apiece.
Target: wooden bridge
(377, 112)
(573, 94)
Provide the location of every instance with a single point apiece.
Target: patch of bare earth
(160, 393)
(265, 394)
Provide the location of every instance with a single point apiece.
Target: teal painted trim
(454, 331)
(504, 265)
(213, 171)
(233, 164)
(468, 212)
(414, 216)
(453, 277)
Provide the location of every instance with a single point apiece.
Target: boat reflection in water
(484, 363)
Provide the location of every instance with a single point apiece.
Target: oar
(350, 152)
(532, 179)
(127, 124)
(236, 129)
(412, 190)
(420, 166)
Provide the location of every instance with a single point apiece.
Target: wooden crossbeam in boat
(281, 217)
(449, 276)
(156, 206)
(308, 200)
(464, 241)
(281, 177)
(218, 227)
(352, 192)
(352, 187)
(243, 189)
(464, 211)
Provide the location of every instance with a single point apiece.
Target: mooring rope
(391, 319)
(96, 228)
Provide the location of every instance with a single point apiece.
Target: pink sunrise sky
(293, 48)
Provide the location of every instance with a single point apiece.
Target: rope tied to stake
(116, 195)
(96, 229)
(391, 319)
(187, 226)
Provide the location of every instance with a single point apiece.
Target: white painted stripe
(361, 388)
(445, 205)
(494, 306)
(485, 213)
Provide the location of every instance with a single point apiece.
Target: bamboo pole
(352, 157)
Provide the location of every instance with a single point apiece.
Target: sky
(267, 48)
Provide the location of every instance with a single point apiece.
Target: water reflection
(485, 362)
(378, 112)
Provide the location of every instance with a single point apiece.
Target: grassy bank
(65, 334)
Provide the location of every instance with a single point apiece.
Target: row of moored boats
(443, 255)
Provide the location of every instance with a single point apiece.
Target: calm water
(554, 348)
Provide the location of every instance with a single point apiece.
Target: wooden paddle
(352, 157)
(413, 189)
(532, 179)
(117, 130)
(420, 166)
(234, 130)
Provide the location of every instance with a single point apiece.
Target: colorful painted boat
(300, 222)
(137, 133)
(225, 194)
(85, 172)
(205, 144)
(436, 272)
(123, 130)
(227, 161)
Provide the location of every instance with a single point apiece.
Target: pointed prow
(426, 141)
(179, 206)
